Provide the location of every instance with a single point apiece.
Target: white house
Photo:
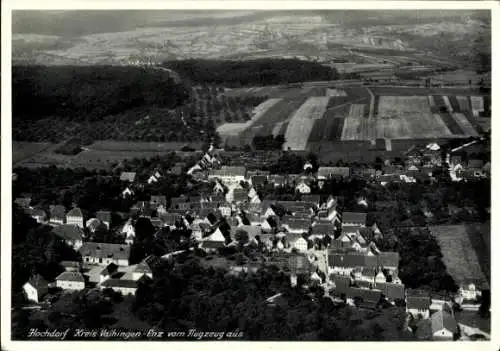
(300, 244)
(418, 306)
(70, 281)
(124, 286)
(129, 231)
(127, 192)
(35, 288)
(75, 217)
(303, 188)
(229, 174)
(105, 253)
(468, 292)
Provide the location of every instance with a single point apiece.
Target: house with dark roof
(71, 266)
(444, 326)
(277, 180)
(147, 266)
(180, 203)
(332, 172)
(108, 272)
(70, 281)
(35, 288)
(157, 200)
(228, 174)
(104, 217)
(105, 253)
(71, 234)
(391, 291)
(124, 286)
(295, 225)
(75, 216)
(418, 304)
(258, 180)
(127, 176)
(239, 195)
(94, 225)
(321, 229)
(57, 214)
(354, 218)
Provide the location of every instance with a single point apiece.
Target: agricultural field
(129, 146)
(465, 252)
(23, 150)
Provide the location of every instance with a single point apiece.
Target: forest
(251, 72)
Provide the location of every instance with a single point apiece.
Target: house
(104, 217)
(71, 266)
(105, 253)
(127, 176)
(312, 199)
(127, 192)
(353, 218)
(258, 180)
(147, 266)
(225, 209)
(75, 216)
(23, 202)
(218, 187)
(239, 195)
(303, 188)
(129, 231)
(152, 179)
(295, 225)
(180, 203)
(444, 326)
(57, 214)
(418, 304)
(108, 272)
(35, 288)
(38, 214)
(228, 174)
(70, 281)
(124, 286)
(158, 200)
(71, 234)
(277, 180)
(213, 242)
(300, 244)
(332, 172)
(468, 292)
(322, 229)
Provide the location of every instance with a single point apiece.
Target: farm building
(35, 288)
(333, 172)
(128, 176)
(229, 174)
(70, 281)
(124, 286)
(104, 253)
(71, 234)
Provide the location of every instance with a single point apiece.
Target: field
(130, 146)
(23, 150)
(464, 253)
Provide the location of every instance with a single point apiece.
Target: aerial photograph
(251, 175)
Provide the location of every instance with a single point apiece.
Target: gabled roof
(354, 217)
(148, 265)
(71, 276)
(128, 176)
(169, 218)
(69, 264)
(240, 195)
(57, 212)
(70, 232)
(311, 198)
(296, 223)
(389, 259)
(418, 302)
(443, 320)
(75, 212)
(38, 282)
(93, 224)
(258, 180)
(327, 172)
(103, 216)
(119, 283)
(391, 291)
(158, 200)
(105, 250)
(37, 212)
(322, 228)
(229, 171)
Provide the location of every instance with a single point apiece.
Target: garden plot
(464, 124)
(463, 103)
(353, 123)
(432, 103)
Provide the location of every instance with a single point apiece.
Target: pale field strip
(388, 121)
(353, 123)
(368, 129)
(432, 103)
(302, 122)
(464, 124)
(277, 128)
(335, 92)
(447, 103)
(262, 108)
(463, 102)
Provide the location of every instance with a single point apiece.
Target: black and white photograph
(247, 174)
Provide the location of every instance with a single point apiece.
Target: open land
(464, 252)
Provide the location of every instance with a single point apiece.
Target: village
(312, 239)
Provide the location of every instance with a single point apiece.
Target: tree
(241, 236)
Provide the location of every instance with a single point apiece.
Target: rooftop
(105, 250)
(71, 276)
